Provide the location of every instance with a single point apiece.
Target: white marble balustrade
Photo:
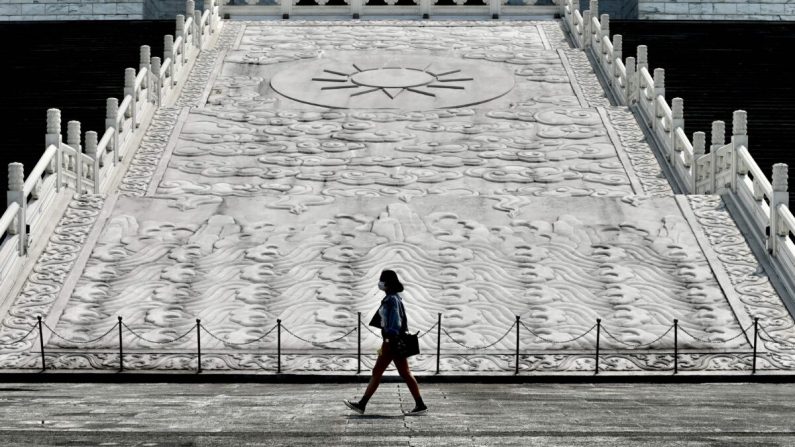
(92, 165)
(360, 8)
(726, 169)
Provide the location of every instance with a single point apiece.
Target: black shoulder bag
(406, 344)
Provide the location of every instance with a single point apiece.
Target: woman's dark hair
(391, 282)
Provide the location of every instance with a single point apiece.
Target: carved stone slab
(481, 161)
(241, 264)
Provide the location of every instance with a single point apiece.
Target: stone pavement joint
(461, 414)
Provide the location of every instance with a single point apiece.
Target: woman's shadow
(375, 416)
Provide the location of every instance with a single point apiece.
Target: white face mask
(381, 285)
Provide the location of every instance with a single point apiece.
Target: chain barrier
(642, 345)
(319, 343)
(198, 327)
(556, 342)
(773, 339)
(429, 330)
(229, 343)
(33, 328)
(478, 347)
(372, 331)
(137, 335)
(717, 342)
(81, 342)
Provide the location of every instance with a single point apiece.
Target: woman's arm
(392, 324)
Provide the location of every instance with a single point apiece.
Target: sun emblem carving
(408, 82)
(393, 80)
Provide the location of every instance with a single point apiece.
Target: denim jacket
(391, 316)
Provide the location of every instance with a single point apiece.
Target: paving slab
(703, 414)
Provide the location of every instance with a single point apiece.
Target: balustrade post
(278, 346)
(756, 336)
(604, 20)
(643, 62)
(145, 61)
(156, 86)
(73, 140)
(516, 370)
(190, 11)
(425, 9)
(129, 90)
(677, 122)
(495, 8)
(356, 9)
(111, 120)
(643, 57)
(718, 136)
(286, 7)
(15, 194)
(197, 28)
(780, 197)
(121, 348)
(598, 334)
(53, 137)
(41, 344)
(168, 53)
(659, 90)
(586, 29)
(438, 340)
(199, 345)
(739, 139)
(699, 148)
(618, 51)
(91, 151)
(631, 87)
(676, 346)
(659, 82)
(618, 47)
(593, 13)
(210, 4)
(358, 342)
(180, 28)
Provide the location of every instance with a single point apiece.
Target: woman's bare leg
(378, 370)
(402, 366)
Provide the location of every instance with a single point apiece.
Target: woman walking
(391, 319)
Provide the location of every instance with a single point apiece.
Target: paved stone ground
(711, 414)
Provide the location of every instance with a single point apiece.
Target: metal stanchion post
(199, 344)
(278, 346)
(121, 349)
(676, 346)
(359, 343)
(41, 343)
(756, 334)
(438, 340)
(516, 371)
(598, 333)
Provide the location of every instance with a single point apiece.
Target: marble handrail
(64, 165)
(762, 185)
(35, 175)
(9, 251)
(7, 220)
(727, 168)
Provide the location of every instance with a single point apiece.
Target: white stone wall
(13, 10)
(716, 9)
